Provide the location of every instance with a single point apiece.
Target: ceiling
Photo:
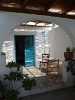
(38, 23)
(57, 8)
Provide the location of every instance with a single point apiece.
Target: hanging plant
(71, 67)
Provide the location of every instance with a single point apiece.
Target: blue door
(29, 50)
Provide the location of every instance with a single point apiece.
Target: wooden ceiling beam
(69, 9)
(25, 3)
(11, 1)
(19, 10)
(50, 4)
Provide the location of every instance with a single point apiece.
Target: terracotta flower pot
(68, 56)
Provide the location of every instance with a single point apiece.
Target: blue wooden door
(29, 50)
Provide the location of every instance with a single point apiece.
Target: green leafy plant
(68, 55)
(11, 95)
(68, 49)
(73, 50)
(2, 89)
(71, 67)
(13, 78)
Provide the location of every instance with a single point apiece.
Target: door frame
(34, 46)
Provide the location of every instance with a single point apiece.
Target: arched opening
(49, 39)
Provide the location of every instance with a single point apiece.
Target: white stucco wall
(59, 41)
(40, 39)
(8, 21)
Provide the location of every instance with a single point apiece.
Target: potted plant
(69, 53)
(11, 79)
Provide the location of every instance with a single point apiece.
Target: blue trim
(15, 46)
(14, 49)
(29, 50)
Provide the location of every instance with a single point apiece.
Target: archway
(14, 19)
(56, 51)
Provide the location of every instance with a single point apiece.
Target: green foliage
(71, 67)
(73, 49)
(2, 89)
(13, 65)
(68, 49)
(28, 83)
(14, 77)
(11, 95)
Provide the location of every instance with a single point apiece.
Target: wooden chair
(45, 56)
(44, 60)
(51, 64)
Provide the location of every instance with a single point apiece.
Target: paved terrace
(49, 87)
(41, 78)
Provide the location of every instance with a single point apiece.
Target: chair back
(44, 56)
(53, 64)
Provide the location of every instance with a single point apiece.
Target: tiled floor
(41, 78)
(49, 84)
(61, 94)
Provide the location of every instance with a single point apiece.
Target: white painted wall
(5, 69)
(8, 21)
(59, 41)
(67, 76)
(41, 39)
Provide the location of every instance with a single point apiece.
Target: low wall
(67, 77)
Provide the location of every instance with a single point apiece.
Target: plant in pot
(69, 53)
(13, 78)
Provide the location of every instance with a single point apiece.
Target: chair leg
(57, 70)
(47, 71)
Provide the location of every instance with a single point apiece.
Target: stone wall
(41, 46)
